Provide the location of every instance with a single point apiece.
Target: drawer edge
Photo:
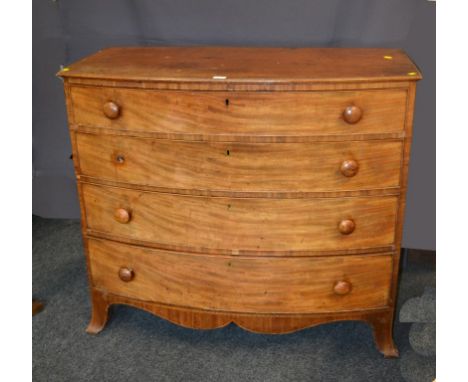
(116, 297)
(390, 191)
(93, 234)
(242, 138)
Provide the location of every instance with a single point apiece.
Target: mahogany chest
(260, 186)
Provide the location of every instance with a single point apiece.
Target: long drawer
(281, 167)
(241, 224)
(242, 284)
(241, 113)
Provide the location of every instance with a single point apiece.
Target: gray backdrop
(67, 30)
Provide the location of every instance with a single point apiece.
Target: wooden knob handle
(352, 114)
(122, 215)
(111, 110)
(342, 287)
(346, 226)
(126, 274)
(349, 168)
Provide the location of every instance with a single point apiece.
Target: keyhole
(226, 101)
(227, 152)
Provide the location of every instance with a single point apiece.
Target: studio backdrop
(66, 30)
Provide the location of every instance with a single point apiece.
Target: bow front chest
(260, 186)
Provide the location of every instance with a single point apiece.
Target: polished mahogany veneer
(260, 186)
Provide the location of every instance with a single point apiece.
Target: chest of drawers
(260, 186)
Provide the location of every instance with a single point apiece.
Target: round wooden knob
(342, 287)
(122, 215)
(352, 114)
(111, 110)
(126, 274)
(346, 226)
(349, 168)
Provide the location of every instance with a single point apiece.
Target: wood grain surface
(252, 64)
(237, 86)
(238, 284)
(221, 137)
(241, 224)
(281, 167)
(240, 113)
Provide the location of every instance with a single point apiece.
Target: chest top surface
(245, 64)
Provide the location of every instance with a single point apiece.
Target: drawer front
(281, 167)
(241, 224)
(240, 113)
(242, 284)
